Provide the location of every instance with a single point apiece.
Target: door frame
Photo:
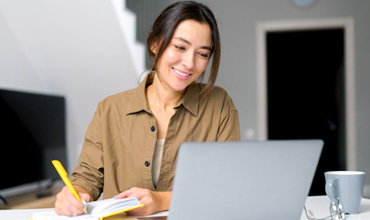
(347, 24)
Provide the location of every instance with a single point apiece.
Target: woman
(131, 145)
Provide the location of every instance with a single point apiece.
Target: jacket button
(152, 128)
(147, 163)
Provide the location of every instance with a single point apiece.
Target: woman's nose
(188, 60)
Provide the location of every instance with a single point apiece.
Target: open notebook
(97, 210)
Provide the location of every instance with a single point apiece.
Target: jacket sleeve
(228, 129)
(89, 173)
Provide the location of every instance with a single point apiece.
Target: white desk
(26, 214)
(318, 204)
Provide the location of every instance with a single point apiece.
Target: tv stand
(43, 193)
(47, 190)
(3, 200)
(42, 198)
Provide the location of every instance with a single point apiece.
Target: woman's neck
(161, 98)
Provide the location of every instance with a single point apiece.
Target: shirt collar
(138, 102)
(190, 99)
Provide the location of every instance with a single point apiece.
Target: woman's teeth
(180, 73)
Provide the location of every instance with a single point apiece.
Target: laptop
(243, 180)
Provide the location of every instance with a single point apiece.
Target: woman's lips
(181, 75)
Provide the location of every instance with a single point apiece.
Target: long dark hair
(166, 23)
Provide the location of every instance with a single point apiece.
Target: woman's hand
(153, 201)
(67, 204)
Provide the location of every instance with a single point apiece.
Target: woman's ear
(154, 48)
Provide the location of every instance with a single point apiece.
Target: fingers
(67, 204)
(85, 198)
(123, 194)
(145, 197)
(135, 192)
(127, 193)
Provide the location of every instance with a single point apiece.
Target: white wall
(13, 75)
(237, 21)
(75, 48)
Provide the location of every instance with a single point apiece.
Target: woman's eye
(204, 55)
(180, 47)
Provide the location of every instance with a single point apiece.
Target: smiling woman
(132, 143)
(185, 59)
(165, 25)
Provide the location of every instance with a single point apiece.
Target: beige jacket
(119, 144)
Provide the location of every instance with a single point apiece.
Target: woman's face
(186, 56)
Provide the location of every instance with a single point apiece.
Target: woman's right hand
(67, 204)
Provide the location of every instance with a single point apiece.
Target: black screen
(32, 134)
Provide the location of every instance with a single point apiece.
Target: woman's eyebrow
(187, 42)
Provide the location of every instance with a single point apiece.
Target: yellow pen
(63, 174)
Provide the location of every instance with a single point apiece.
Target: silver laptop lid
(243, 180)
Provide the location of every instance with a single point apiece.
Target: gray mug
(345, 188)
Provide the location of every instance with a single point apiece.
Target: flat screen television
(32, 134)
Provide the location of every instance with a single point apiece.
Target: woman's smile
(181, 74)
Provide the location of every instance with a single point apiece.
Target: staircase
(127, 21)
(146, 12)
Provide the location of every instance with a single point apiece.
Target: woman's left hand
(153, 201)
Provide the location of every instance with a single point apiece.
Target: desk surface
(319, 205)
(26, 214)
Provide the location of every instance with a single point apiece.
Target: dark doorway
(305, 93)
